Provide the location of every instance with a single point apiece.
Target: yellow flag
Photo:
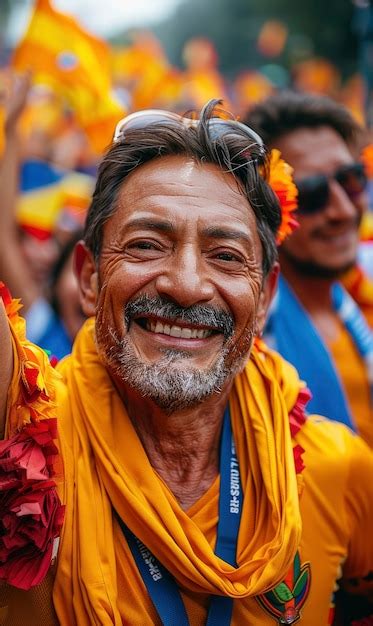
(60, 53)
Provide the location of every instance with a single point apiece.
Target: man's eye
(227, 256)
(142, 245)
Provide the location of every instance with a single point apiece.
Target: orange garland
(31, 513)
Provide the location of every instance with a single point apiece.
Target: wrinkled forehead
(183, 192)
(173, 182)
(178, 171)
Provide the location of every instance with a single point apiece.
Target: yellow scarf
(106, 466)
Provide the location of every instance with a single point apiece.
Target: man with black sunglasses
(314, 323)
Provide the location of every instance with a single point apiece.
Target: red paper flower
(31, 513)
(298, 451)
(297, 417)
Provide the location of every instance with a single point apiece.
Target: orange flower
(281, 181)
(367, 159)
(31, 514)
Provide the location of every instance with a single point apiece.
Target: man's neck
(183, 447)
(314, 293)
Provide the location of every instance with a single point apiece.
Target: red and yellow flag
(61, 54)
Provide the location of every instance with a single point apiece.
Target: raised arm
(14, 271)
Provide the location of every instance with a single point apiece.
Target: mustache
(197, 314)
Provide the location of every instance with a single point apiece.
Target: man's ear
(267, 294)
(86, 273)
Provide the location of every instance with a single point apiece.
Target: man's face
(326, 241)
(179, 281)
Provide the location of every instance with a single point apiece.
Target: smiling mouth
(338, 237)
(174, 330)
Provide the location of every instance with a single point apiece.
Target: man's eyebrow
(218, 232)
(214, 232)
(150, 223)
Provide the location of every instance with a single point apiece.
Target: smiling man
(189, 487)
(164, 253)
(314, 323)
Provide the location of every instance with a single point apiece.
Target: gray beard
(170, 388)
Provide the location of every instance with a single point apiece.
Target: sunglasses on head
(314, 191)
(217, 126)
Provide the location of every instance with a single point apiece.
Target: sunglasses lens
(352, 178)
(313, 193)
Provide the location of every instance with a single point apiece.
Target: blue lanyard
(161, 585)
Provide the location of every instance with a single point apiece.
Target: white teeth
(201, 334)
(186, 333)
(177, 331)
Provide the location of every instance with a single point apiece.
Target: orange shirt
(336, 518)
(360, 287)
(352, 372)
(338, 468)
(335, 495)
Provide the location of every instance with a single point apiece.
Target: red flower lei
(31, 513)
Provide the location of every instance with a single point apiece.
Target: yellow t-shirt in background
(352, 372)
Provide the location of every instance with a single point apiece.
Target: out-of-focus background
(70, 69)
(180, 52)
(177, 54)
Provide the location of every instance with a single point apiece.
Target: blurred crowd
(56, 120)
(61, 96)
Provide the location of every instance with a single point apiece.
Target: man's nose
(185, 279)
(340, 205)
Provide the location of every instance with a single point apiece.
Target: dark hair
(233, 151)
(289, 110)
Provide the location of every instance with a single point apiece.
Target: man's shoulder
(330, 445)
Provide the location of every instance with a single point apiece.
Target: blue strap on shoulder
(294, 336)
